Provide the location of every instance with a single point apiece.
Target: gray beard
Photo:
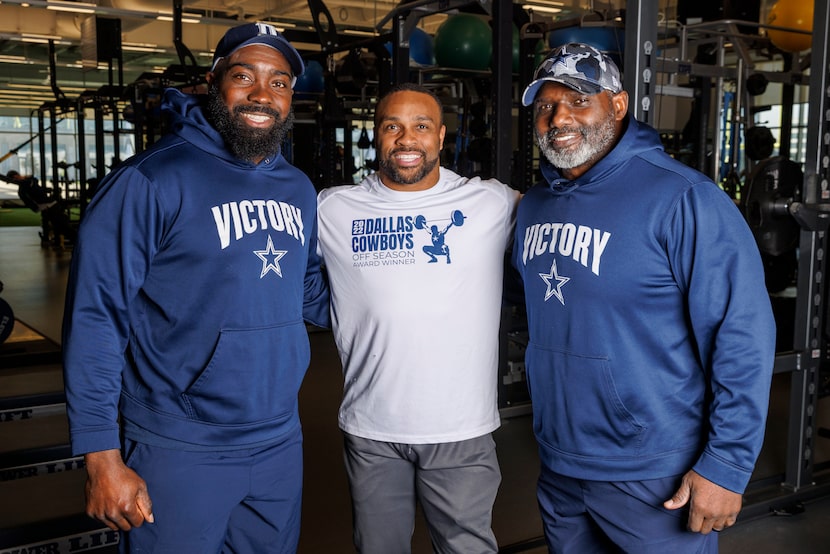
(596, 140)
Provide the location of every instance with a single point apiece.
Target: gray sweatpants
(456, 484)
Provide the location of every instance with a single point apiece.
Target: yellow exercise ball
(792, 14)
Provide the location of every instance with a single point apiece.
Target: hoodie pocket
(576, 407)
(254, 375)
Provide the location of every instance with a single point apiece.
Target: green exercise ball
(539, 51)
(516, 55)
(464, 41)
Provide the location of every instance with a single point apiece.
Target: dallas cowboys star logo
(270, 258)
(554, 289)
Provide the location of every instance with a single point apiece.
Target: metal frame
(802, 478)
(810, 309)
(640, 53)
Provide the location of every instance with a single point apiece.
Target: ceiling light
(141, 44)
(543, 9)
(24, 94)
(20, 85)
(77, 7)
(142, 49)
(281, 26)
(15, 59)
(21, 103)
(37, 37)
(185, 18)
(35, 40)
(40, 87)
(358, 33)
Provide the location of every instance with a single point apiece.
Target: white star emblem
(554, 289)
(270, 258)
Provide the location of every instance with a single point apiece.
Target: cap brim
(578, 85)
(280, 45)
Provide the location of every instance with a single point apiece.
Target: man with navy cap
(651, 335)
(184, 333)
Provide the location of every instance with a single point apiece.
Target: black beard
(243, 141)
(387, 167)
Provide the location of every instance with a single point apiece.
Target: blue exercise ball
(609, 40)
(311, 82)
(421, 47)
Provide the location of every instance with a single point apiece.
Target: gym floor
(35, 280)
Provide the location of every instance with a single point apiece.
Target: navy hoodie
(652, 338)
(189, 286)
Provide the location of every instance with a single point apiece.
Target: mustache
(237, 110)
(554, 132)
(405, 150)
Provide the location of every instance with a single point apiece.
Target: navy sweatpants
(581, 517)
(245, 501)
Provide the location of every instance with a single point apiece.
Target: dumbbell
(457, 219)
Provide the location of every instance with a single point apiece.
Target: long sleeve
(716, 262)
(316, 293)
(117, 241)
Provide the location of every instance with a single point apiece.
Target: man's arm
(316, 295)
(718, 266)
(116, 243)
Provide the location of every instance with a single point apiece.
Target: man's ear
(620, 103)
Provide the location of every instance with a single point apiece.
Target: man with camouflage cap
(651, 337)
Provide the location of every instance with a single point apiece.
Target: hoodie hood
(189, 121)
(636, 140)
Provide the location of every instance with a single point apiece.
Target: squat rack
(803, 478)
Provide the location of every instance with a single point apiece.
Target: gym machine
(808, 204)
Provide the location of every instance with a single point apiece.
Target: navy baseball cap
(258, 33)
(578, 66)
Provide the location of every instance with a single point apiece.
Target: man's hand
(711, 507)
(115, 494)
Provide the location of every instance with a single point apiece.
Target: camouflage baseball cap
(578, 66)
